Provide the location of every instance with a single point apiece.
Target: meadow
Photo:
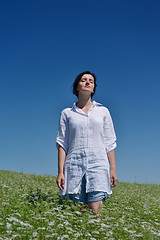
(30, 208)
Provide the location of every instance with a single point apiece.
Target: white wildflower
(65, 236)
(67, 213)
(19, 221)
(138, 235)
(105, 225)
(155, 233)
(77, 234)
(52, 223)
(88, 234)
(109, 233)
(91, 221)
(66, 222)
(129, 208)
(18, 214)
(52, 235)
(95, 232)
(41, 228)
(60, 225)
(35, 234)
(97, 220)
(16, 236)
(41, 218)
(121, 220)
(78, 212)
(130, 231)
(5, 203)
(9, 225)
(21, 228)
(156, 223)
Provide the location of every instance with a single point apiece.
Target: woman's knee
(95, 206)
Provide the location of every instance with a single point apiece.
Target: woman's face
(86, 84)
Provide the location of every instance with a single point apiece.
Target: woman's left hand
(113, 177)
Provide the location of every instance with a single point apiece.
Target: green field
(30, 208)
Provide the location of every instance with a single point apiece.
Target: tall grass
(30, 208)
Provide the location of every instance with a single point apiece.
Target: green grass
(30, 208)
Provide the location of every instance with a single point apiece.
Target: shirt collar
(96, 103)
(77, 109)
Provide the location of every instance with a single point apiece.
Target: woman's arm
(113, 174)
(61, 160)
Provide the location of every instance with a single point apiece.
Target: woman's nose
(87, 82)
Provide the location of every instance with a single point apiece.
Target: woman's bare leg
(96, 206)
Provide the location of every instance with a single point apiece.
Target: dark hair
(78, 78)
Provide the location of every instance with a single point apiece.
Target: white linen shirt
(86, 139)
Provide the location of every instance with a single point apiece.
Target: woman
(86, 141)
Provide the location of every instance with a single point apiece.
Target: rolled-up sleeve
(109, 133)
(63, 134)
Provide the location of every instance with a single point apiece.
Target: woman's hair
(78, 78)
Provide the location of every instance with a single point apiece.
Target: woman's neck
(84, 101)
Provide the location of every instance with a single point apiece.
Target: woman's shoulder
(102, 107)
(66, 111)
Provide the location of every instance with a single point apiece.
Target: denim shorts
(84, 197)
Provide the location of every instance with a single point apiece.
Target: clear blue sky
(44, 45)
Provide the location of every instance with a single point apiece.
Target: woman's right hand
(60, 181)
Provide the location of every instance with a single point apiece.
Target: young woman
(86, 141)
